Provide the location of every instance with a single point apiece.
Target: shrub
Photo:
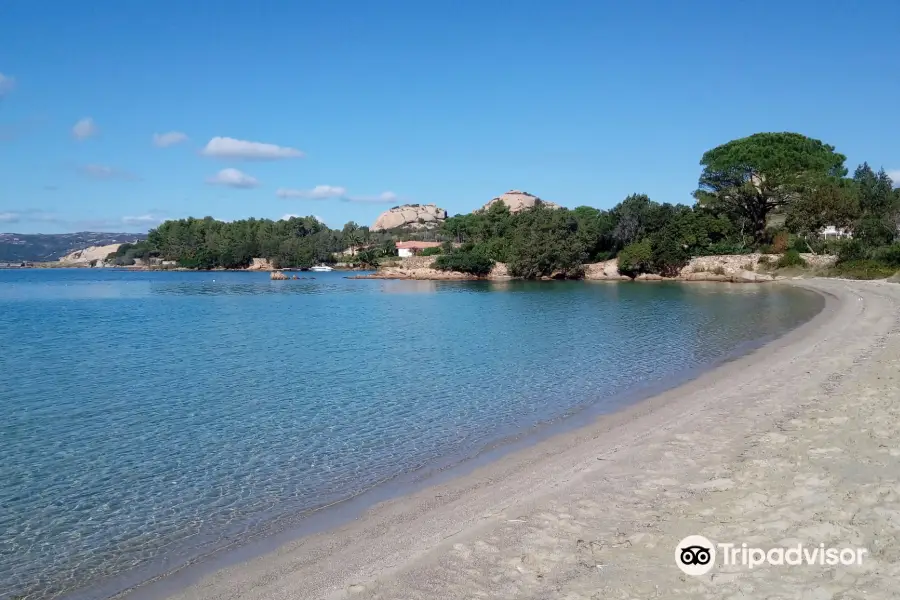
(465, 261)
(888, 255)
(851, 251)
(431, 252)
(766, 262)
(862, 269)
(636, 258)
(791, 258)
(832, 246)
(874, 232)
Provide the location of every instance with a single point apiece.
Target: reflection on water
(150, 417)
(390, 286)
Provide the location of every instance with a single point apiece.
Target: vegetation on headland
(298, 242)
(467, 259)
(769, 192)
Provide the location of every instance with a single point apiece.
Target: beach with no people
(795, 443)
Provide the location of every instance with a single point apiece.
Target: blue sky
(360, 106)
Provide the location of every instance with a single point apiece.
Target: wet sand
(794, 443)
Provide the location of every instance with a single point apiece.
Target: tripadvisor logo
(696, 555)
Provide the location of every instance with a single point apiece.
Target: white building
(835, 232)
(406, 249)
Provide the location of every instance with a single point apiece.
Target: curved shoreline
(186, 571)
(393, 540)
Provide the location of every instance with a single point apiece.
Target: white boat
(321, 268)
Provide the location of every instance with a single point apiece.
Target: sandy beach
(794, 443)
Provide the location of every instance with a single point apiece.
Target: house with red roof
(405, 249)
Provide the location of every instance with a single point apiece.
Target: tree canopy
(752, 176)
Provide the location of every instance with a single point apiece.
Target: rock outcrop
(607, 270)
(410, 216)
(260, 264)
(420, 268)
(518, 201)
(89, 254)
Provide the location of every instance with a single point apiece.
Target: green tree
(368, 257)
(636, 258)
(470, 259)
(879, 207)
(753, 176)
(544, 243)
(352, 236)
(632, 217)
(595, 232)
(668, 253)
(820, 203)
(876, 193)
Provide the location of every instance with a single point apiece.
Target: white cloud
(320, 192)
(382, 198)
(226, 147)
(105, 172)
(84, 129)
(99, 171)
(148, 220)
(28, 214)
(7, 84)
(233, 178)
(894, 174)
(164, 140)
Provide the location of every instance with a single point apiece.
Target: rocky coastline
(741, 268)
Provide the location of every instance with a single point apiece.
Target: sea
(153, 419)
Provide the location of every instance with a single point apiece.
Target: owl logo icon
(695, 555)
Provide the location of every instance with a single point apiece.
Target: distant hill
(41, 247)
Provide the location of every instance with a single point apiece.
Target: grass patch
(862, 269)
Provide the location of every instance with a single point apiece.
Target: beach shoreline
(442, 541)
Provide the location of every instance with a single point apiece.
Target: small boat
(321, 268)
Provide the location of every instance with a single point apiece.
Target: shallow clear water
(146, 418)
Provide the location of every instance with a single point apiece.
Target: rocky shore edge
(738, 268)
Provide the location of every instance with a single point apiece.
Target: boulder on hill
(518, 201)
(410, 216)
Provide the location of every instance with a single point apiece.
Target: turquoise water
(149, 418)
